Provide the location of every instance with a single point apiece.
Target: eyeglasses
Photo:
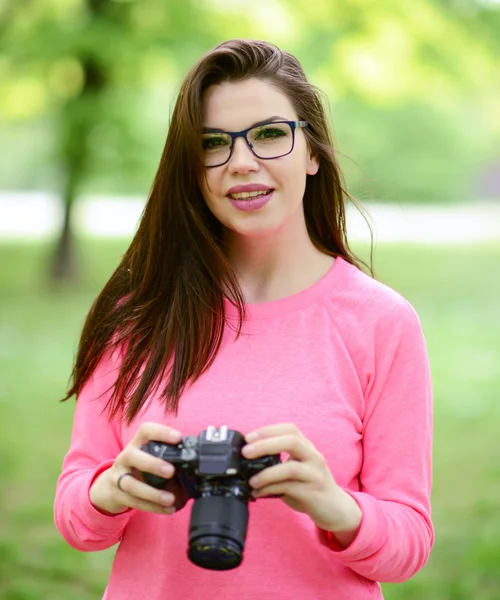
(268, 140)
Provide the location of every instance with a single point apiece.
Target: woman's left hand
(304, 480)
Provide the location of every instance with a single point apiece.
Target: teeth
(245, 195)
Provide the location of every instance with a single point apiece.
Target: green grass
(456, 292)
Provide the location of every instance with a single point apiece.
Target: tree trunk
(78, 118)
(64, 261)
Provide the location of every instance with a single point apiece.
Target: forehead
(236, 105)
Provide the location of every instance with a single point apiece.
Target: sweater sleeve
(396, 532)
(95, 443)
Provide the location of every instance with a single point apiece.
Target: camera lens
(217, 532)
(215, 553)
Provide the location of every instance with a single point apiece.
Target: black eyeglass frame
(236, 134)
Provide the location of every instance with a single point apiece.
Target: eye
(271, 132)
(214, 142)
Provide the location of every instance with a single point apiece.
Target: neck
(276, 265)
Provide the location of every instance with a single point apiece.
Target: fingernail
(167, 498)
(251, 437)
(248, 450)
(166, 470)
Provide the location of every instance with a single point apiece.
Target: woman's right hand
(107, 497)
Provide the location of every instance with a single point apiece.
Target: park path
(32, 216)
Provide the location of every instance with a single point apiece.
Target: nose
(242, 160)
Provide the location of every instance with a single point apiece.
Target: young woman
(239, 303)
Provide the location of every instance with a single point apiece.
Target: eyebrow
(268, 120)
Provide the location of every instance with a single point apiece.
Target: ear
(312, 165)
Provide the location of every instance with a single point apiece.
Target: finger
(289, 471)
(273, 431)
(291, 489)
(157, 432)
(149, 506)
(135, 458)
(139, 495)
(297, 447)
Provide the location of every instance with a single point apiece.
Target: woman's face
(235, 107)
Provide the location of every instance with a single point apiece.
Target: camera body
(211, 469)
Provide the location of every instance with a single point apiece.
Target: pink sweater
(345, 360)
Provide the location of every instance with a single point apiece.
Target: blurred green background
(86, 91)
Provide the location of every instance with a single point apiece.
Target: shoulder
(364, 307)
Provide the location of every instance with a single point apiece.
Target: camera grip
(169, 485)
(155, 481)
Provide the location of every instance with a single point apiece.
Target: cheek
(295, 167)
(294, 175)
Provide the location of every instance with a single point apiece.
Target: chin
(252, 232)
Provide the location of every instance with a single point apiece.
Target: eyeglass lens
(267, 141)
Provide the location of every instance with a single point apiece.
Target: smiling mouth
(249, 195)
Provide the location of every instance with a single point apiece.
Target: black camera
(211, 469)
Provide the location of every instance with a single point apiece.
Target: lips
(250, 195)
(250, 188)
(251, 203)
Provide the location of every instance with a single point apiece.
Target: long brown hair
(163, 307)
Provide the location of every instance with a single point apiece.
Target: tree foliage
(87, 86)
(88, 60)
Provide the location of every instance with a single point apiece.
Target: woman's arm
(95, 443)
(396, 532)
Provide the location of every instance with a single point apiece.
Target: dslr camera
(211, 469)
